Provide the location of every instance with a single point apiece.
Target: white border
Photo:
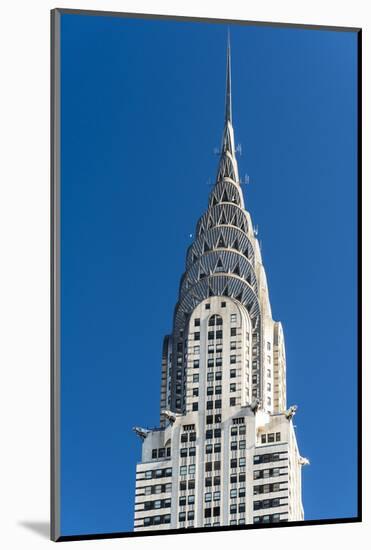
(24, 273)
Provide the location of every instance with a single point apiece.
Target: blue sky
(142, 110)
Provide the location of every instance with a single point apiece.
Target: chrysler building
(225, 451)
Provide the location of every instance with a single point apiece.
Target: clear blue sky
(142, 110)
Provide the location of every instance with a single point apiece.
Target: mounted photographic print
(205, 195)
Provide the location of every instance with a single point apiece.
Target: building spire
(228, 93)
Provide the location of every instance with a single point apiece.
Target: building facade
(225, 452)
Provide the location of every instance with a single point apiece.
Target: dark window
(241, 508)
(242, 430)
(197, 322)
(233, 445)
(242, 477)
(209, 449)
(183, 452)
(217, 432)
(218, 404)
(209, 419)
(218, 390)
(182, 486)
(182, 516)
(191, 484)
(217, 480)
(210, 390)
(184, 438)
(195, 392)
(182, 501)
(168, 451)
(211, 335)
(194, 406)
(232, 401)
(233, 509)
(278, 436)
(218, 418)
(217, 465)
(197, 335)
(209, 434)
(217, 448)
(209, 405)
(234, 430)
(233, 359)
(232, 387)
(210, 362)
(232, 373)
(233, 478)
(191, 499)
(270, 438)
(218, 375)
(196, 364)
(218, 362)
(192, 436)
(233, 331)
(154, 453)
(192, 451)
(219, 334)
(208, 481)
(208, 466)
(207, 513)
(264, 438)
(191, 515)
(161, 453)
(223, 304)
(216, 511)
(233, 462)
(207, 306)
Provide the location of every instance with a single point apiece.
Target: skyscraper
(225, 452)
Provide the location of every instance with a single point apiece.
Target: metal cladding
(221, 260)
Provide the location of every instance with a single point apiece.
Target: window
(209, 434)
(232, 373)
(195, 392)
(269, 373)
(182, 516)
(233, 478)
(242, 430)
(218, 390)
(233, 509)
(148, 474)
(182, 501)
(264, 438)
(168, 451)
(218, 404)
(232, 359)
(233, 345)
(195, 378)
(191, 515)
(233, 493)
(196, 336)
(217, 465)
(241, 508)
(234, 430)
(161, 453)
(191, 499)
(210, 363)
(210, 390)
(210, 376)
(233, 331)
(269, 386)
(208, 497)
(208, 466)
(210, 335)
(233, 462)
(216, 480)
(268, 345)
(196, 350)
(278, 436)
(232, 387)
(241, 492)
(196, 364)
(219, 348)
(208, 481)
(182, 486)
(209, 419)
(270, 438)
(191, 484)
(218, 375)
(209, 405)
(208, 449)
(217, 432)
(207, 513)
(232, 401)
(217, 448)
(218, 418)
(154, 453)
(218, 362)
(242, 478)
(195, 406)
(233, 445)
(269, 401)
(216, 511)
(197, 322)
(219, 334)
(233, 318)
(192, 451)
(183, 470)
(191, 468)
(242, 461)
(192, 436)
(242, 444)
(207, 306)
(223, 304)
(183, 452)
